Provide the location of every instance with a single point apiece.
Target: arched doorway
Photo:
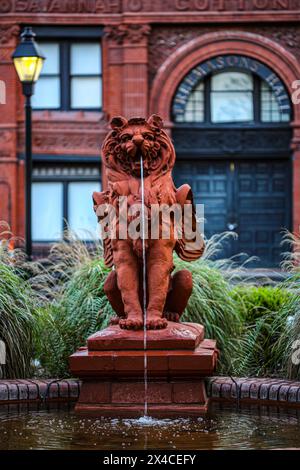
(232, 135)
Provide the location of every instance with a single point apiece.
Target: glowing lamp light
(28, 58)
(28, 68)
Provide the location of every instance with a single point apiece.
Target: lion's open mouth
(137, 159)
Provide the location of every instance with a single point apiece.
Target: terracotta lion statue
(134, 147)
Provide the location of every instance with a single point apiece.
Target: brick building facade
(221, 74)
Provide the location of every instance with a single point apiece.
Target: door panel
(263, 198)
(250, 197)
(212, 186)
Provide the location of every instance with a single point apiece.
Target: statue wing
(189, 249)
(100, 198)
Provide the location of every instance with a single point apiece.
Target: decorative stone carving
(8, 33)
(130, 147)
(65, 142)
(134, 33)
(207, 142)
(99, 7)
(164, 41)
(161, 371)
(59, 136)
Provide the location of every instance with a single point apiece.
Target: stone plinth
(175, 336)
(112, 370)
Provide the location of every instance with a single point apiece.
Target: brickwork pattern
(18, 391)
(254, 390)
(246, 390)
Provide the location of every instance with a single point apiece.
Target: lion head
(136, 143)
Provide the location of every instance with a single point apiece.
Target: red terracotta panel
(200, 361)
(128, 392)
(135, 392)
(175, 336)
(95, 392)
(127, 361)
(84, 361)
(122, 364)
(189, 392)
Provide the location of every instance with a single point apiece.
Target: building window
(270, 110)
(232, 97)
(47, 211)
(71, 77)
(61, 198)
(47, 89)
(194, 110)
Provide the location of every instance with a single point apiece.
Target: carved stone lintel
(240, 141)
(8, 32)
(134, 33)
(69, 140)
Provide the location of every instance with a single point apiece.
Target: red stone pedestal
(111, 368)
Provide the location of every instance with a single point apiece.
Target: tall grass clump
(17, 310)
(288, 344)
(211, 302)
(73, 302)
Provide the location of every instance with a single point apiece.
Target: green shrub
(257, 301)
(264, 312)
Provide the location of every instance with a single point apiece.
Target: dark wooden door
(249, 197)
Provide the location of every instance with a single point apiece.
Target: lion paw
(172, 316)
(131, 323)
(156, 323)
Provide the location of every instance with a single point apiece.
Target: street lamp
(28, 61)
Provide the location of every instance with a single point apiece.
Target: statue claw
(156, 323)
(131, 323)
(172, 316)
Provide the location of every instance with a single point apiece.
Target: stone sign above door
(101, 7)
(221, 62)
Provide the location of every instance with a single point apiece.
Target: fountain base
(111, 368)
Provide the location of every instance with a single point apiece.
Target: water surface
(28, 427)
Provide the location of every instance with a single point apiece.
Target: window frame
(64, 37)
(257, 106)
(52, 75)
(65, 180)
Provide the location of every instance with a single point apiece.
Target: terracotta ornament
(132, 146)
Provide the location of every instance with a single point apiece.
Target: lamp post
(28, 61)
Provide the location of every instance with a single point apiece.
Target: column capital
(8, 33)
(130, 33)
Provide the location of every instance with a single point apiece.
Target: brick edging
(34, 390)
(267, 391)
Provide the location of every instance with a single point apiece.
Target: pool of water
(224, 427)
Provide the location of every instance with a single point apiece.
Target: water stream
(144, 290)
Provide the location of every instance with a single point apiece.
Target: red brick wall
(165, 39)
(140, 37)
